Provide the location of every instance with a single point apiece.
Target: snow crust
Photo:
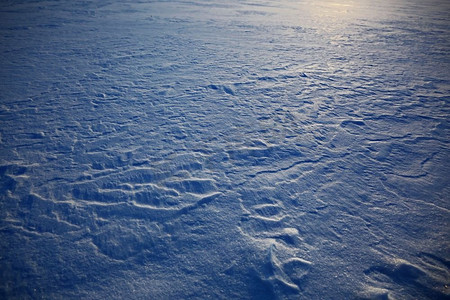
(251, 149)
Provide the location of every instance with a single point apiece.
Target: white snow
(246, 149)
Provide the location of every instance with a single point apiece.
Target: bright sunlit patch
(341, 4)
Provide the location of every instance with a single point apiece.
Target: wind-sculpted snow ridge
(239, 150)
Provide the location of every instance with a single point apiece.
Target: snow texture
(242, 149)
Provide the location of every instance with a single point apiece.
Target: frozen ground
(243, 149)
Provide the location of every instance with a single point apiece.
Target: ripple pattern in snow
(224, 150)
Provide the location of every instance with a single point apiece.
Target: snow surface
(242, 149)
